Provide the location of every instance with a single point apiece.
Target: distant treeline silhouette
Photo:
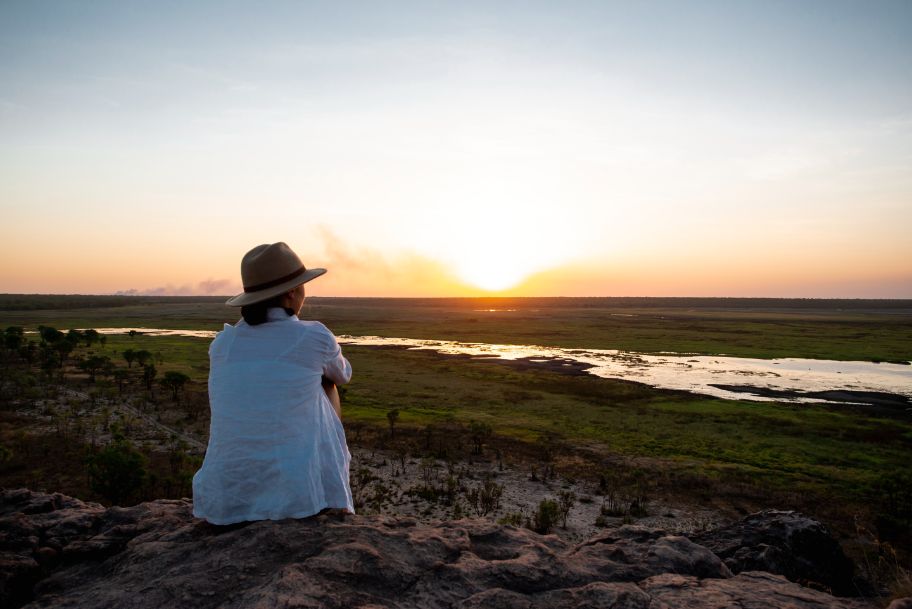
(34, 302)
(640, 302)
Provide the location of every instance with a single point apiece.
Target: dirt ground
(398, 483)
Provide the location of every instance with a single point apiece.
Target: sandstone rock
(786, 543)
(33, 529)
(754, 589)
(157, 555)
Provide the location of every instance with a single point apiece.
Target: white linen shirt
(276, 446)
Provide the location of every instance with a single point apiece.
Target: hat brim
(249, 298)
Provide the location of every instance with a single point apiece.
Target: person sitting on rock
(277, 447)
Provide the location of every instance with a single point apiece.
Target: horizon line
(491, 296)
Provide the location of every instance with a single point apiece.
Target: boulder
(785, 543)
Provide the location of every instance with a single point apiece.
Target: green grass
(179, 353)
(842, 330)
(784, 444)
(811, 448)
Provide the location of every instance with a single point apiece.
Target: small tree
(392, 416)
(149, 375)
(142, 356)
(567, 499)
(13, 337)
(64, 348)
(49, 335)
(91, 337)
(177, 454)
(480, 432)
(545, 517)
(75, 337)
(130, 356)
(29, 351)
(118, 471)
(120, 376)
(50, 360)
(174, 381)
(94, 364)
(546, 447)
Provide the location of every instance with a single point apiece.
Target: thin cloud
(361, 271)
(342, 256)
(217, 287)
(207, 287)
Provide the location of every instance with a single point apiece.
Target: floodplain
(844, 463)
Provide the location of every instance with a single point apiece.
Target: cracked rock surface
(56, 551)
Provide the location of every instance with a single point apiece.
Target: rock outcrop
(56, 551)
(787, 543)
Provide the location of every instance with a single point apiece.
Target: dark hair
(255, 314)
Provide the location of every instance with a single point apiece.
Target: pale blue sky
(642, 139)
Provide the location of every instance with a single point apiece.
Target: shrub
(392, 416)
(485, 498)
(479, 432)
(118, 471)
(893, 498)
(545, 517)
(515, 519)
(567, 500)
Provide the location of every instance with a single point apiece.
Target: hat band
(274, 282)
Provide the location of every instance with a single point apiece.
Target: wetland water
(783, 380)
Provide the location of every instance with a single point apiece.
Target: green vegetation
(785, 447)
(545, 517)
(174, 381)
(835, 462)
(69, 418)
(117, 472)
(186, 355)
(829, 329)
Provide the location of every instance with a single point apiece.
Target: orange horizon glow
(418, 276)
(560, 149)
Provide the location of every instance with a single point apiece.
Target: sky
(466, 148)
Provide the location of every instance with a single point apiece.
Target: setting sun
(493, 275)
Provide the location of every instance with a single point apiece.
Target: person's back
(276, 447)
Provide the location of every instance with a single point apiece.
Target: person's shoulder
(226, 330)
(221, 336)
(315, 327)
(313, 324)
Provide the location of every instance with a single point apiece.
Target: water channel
(783, 380)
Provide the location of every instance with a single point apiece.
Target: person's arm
(336, 371)
(332, 392)
(335, 367)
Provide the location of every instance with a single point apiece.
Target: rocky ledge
(56, 551)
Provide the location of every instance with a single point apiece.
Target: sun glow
(500, 228)
(493, 275)
(503, 258)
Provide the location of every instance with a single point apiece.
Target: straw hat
(269, 270)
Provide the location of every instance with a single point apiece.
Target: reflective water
(157, 332)
(708, 375)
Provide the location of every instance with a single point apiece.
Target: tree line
(43, 368)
